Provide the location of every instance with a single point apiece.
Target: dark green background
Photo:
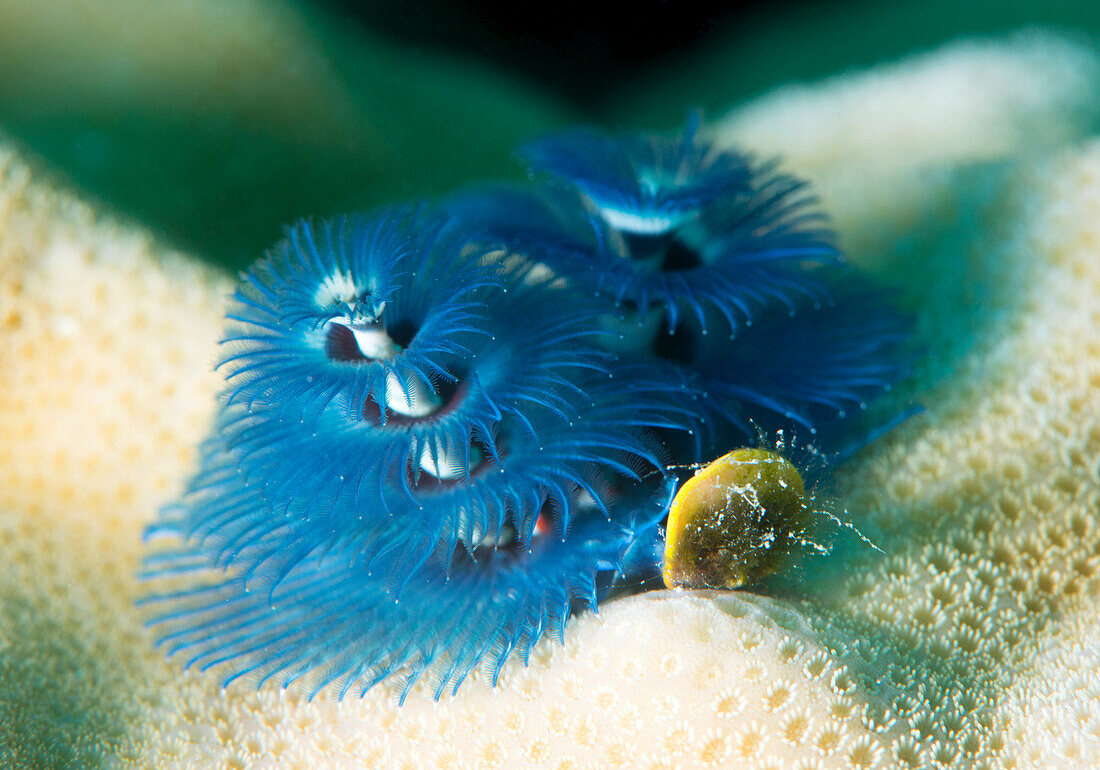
(451, 92)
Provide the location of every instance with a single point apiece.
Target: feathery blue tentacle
(687, 227)
(808, 366)
(318, 500)
(330, 621)
(443, 428)
(355, 308)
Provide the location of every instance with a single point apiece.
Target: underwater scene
(455, 385)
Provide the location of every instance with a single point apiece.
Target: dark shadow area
(582, 52)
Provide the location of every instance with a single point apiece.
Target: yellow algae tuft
(737, 520)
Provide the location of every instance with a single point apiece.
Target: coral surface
(971, 643)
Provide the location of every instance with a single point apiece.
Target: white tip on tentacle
(371, 338)
(416, 400)
(639, 223)
(446, 461)
(337, 288)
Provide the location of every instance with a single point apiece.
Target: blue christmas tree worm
(445, 426)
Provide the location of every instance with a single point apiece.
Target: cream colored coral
(102, 400)
(1052, 712)
(882, 145)
(660, 680)
(971, 100)
(953, 651)
(989, 504)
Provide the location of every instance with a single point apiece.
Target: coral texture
(899, 126)
(970, 644)
(84, 455)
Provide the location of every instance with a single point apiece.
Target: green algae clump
(735, 522)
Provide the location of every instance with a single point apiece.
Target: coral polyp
(435, 438)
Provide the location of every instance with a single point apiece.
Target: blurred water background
(216, 123)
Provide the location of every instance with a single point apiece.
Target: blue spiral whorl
(445, 427)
